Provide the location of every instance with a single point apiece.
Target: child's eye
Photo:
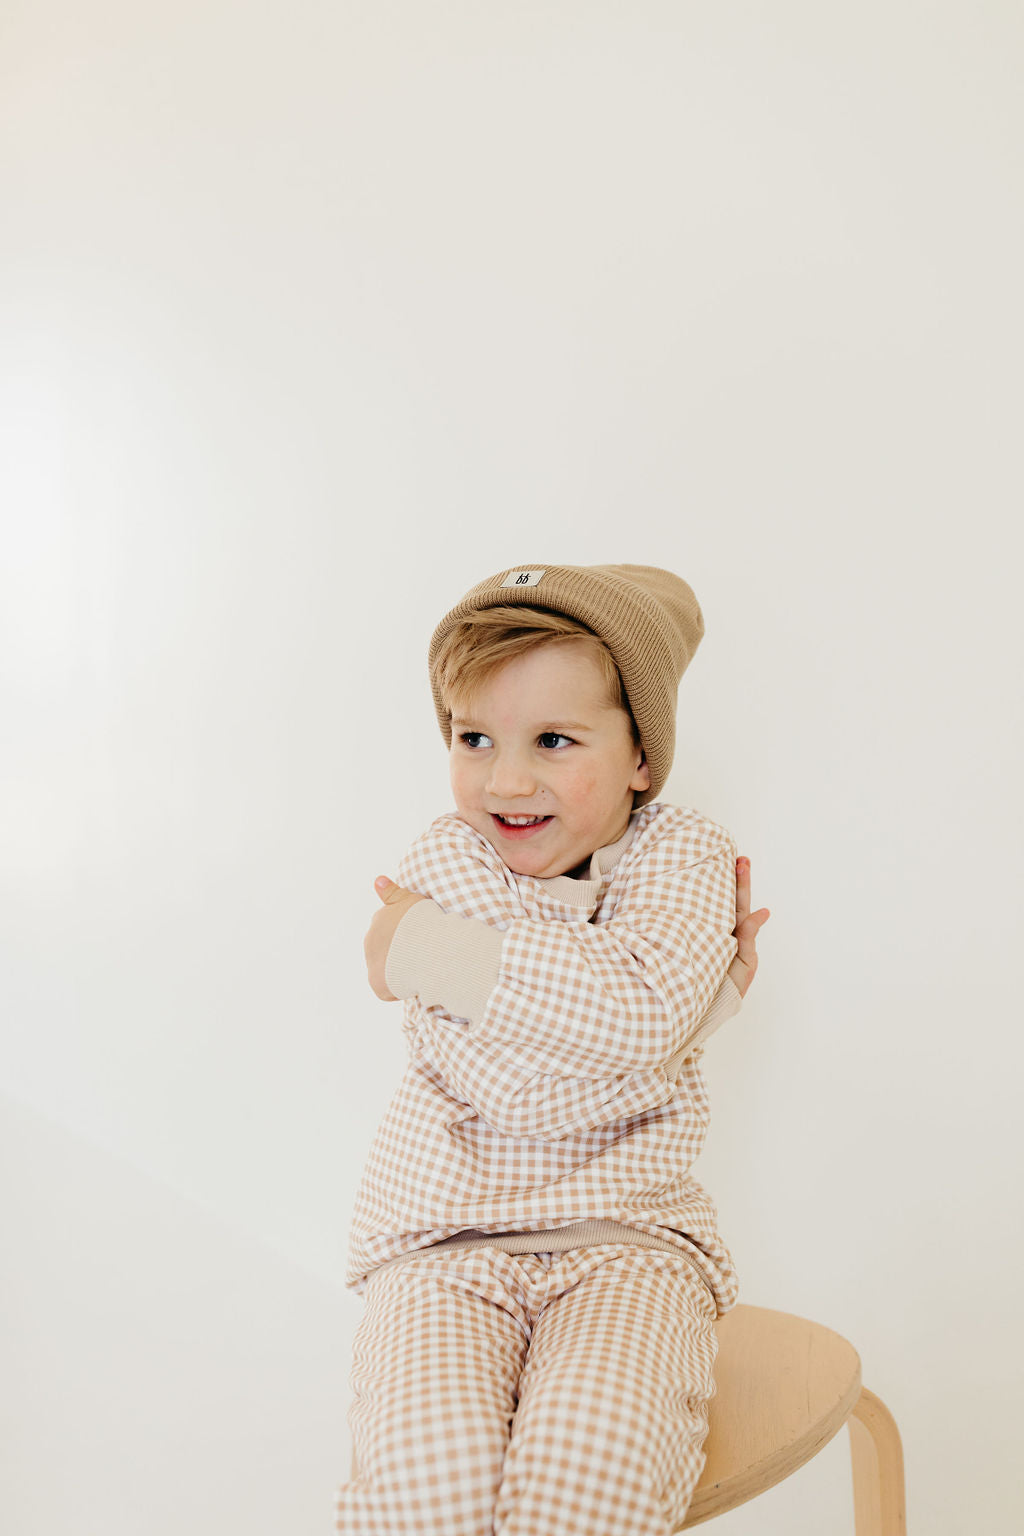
(470, 739)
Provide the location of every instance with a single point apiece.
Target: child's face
(543, 741)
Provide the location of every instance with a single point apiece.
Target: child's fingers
(746, 949)
(750, 925)
(742, 890)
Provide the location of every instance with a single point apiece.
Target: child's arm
(586, 1023)
(454, 963)
(516, 1102)
(524, 1103)
(586, 998)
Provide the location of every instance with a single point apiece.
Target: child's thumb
(382, 885)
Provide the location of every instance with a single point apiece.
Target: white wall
(314, 316)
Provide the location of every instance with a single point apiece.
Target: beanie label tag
(523, 578)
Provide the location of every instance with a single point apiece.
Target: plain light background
(314, 315)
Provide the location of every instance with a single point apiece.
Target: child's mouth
(516, 834)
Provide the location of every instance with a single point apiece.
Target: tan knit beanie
(649, 619)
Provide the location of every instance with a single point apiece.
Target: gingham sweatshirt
(553, 1096)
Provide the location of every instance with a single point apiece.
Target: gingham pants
(544, 1394)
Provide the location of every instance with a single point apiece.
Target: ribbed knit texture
(649, 619)
(583, 1234)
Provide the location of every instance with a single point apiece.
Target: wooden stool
(785, 1386)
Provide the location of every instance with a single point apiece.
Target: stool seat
(784, 1387)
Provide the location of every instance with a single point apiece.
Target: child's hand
(382, 930)
(745, 964)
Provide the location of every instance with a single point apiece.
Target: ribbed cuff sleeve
(444, 959)
(726, 1001)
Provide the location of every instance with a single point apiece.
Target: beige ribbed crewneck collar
(581, 893)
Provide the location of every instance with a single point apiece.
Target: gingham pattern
(556, 1108)
(546, 1394)
(632, 986)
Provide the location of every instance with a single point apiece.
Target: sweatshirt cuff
(726, 1001)
(444, 959)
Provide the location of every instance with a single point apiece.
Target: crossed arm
(398, 901)
(549, 1025)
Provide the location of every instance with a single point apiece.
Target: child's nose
(509, 777)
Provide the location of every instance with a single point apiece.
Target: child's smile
(515, 832)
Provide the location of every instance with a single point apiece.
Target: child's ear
(642, 776)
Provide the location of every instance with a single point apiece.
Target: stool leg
(878, 1498)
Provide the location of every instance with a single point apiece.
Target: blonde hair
(477, 646)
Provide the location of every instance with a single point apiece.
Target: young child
(541, 1274)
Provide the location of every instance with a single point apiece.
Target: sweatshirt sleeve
(581, 1023)
(454, 963)
(446, 959)
(629, 994)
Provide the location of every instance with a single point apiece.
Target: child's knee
(422, 1484)
(427, 1469)
(601, 1476)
